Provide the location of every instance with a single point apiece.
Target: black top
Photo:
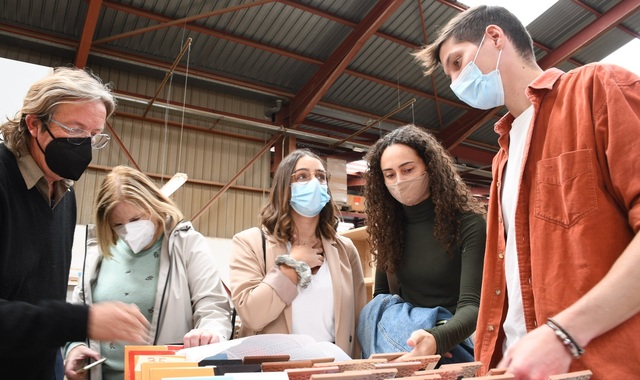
(429, 276)
(35, 255)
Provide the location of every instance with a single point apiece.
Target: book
(297, 346)
(147, 367)
(161, 373)
(130, 351)
(141, 372)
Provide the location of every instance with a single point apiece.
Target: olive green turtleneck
(429, 276)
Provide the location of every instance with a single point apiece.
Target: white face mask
(138, 234)
(482, 91)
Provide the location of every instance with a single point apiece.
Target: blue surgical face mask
(309, 198)
(482, 91)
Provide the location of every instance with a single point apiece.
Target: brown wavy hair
(385, 217)
(275, 215)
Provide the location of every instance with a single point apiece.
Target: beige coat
(263, 300)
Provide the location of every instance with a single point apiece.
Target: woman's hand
(308, 251)
(199, 337)
(76, 359)
(422, 344)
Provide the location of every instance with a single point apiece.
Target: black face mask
(66, 159)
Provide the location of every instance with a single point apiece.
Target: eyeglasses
(78, 136)
(304, 175)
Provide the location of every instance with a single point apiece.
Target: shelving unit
(357, 218)
(359, 237)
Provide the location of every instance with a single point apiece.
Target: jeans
(386, 322)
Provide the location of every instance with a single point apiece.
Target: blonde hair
(125, 184)
(65, 85)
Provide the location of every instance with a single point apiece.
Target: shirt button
(500, 219)
(498, 184)
(501, 255)
(535, 323)
(498, 292)
(490, 328)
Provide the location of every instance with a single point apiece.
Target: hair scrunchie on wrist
(302, 269)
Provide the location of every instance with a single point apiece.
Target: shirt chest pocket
(565, 188)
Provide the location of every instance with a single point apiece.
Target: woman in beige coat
(294, 274)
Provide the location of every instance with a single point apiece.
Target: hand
(308, 251)
(537, 355)
(76, 359)
(422, 344)
(199, 337)
(113, 320)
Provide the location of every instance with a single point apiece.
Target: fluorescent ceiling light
(174, 184)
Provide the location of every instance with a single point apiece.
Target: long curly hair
(275, 215)
(385, 217)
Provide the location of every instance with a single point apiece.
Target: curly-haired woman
(427, 235)
(294, 274)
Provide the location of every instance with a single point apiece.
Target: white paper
(257, 375)
(297, 346)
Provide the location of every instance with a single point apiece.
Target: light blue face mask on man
(309, 198)
(482, 91)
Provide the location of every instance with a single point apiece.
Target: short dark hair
(469, 26)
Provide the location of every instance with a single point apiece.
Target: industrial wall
(185, 134)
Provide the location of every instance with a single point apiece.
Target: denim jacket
(386, 322)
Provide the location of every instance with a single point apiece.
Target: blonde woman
(146, 254)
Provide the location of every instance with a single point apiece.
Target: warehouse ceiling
(335, 74)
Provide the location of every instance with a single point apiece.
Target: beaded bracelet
(302, 269)
(566, 339)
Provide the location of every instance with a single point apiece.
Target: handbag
(387, 321)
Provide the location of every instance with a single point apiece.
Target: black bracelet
(566, 339)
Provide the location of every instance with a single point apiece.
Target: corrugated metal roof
(275, 49)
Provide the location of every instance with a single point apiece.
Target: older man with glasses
(46, 147)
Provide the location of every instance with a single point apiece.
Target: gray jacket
(188, 280)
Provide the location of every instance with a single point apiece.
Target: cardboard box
(338, 181)
(356, 203)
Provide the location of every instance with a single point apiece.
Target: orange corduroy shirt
(577, 209)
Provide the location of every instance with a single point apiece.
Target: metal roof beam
(88, 31)
(602, 24)
(592, 10)
(329, 72)
(182, 21)
(468, 123)
(276, 50)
